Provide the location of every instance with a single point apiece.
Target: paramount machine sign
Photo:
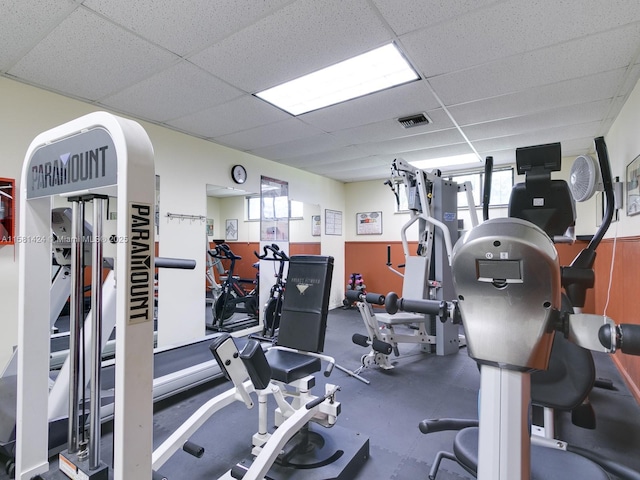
(86, 162)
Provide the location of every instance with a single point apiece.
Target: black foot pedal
(605, 383)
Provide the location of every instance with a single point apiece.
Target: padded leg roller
(360, 339)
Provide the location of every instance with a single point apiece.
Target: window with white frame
(278, 209)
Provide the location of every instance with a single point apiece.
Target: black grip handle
(486, 191)
(625, 337)
(193, 449)
(357, 296)
(319, 400)
(314, 403)
(443, 424)
(393, 304)
(375, 298)
(329, 369)
(388, 255)
(183, 263)
(629, 338)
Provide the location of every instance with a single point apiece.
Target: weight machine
(433, 205)
(88, 159)
(296, 449)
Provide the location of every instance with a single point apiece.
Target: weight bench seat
(546, 463)
(401, 318)
(288, 366)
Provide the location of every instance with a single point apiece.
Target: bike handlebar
(277, 254)
(223, 251)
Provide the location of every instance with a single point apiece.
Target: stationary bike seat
(546, 463)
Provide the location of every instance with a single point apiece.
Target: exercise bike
(233, 297)
(508, 288)
(273, 307)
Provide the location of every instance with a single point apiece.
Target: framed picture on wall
(369, 223)
(231, 229)
(316, 223)
(633, 190)
(332, 222)
(209, 227)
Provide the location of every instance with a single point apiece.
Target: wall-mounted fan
(584, 178)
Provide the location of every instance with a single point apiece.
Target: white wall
(185, 165)
(623, 144)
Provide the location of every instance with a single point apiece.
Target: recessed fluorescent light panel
(444, 162)
(382, 68)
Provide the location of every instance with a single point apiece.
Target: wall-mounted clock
(239, 174)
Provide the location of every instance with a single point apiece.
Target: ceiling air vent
(414, 120)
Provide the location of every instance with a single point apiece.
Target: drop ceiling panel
(436, 152)
(404, 100)
(511, 73)
(569, 92)
(158, 98)
(418, 14)
(391, 129)
(414, 142)
(559, 117)
(510, 28)
(272, 134)
(363, 163)
(240, 114)
(89, 58)
(304, 145)
(302, 37)
(572, 60)
(586, 131)
(24, 23)
(185, 26)
(324, 157)
(359, 175)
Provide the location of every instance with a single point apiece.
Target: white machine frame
(134, 186)
(290, 417)
(381, 326)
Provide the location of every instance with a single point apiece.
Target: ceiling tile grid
(506, 73)
(24, 23)
(185, 26)
(157, 97)
(243, 113)
(86, 57)
(304, 36)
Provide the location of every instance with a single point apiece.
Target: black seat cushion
(546, 463)
(569, 378)
(288, 366)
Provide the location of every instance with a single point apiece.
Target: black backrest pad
(544, 202)
(306, 303)
(256, 364)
